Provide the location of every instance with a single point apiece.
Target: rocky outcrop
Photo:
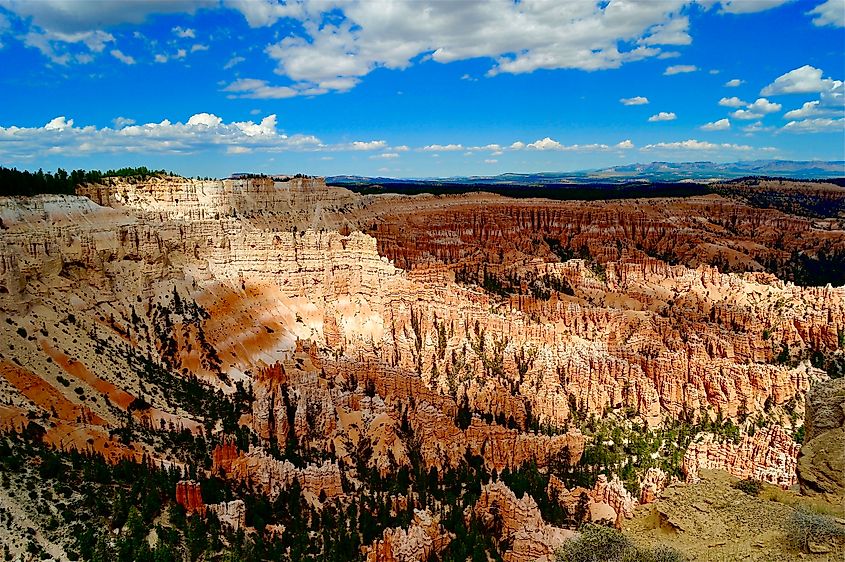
(769, 455)
(821, 461)
(295, 200)
(223, 456)
(424, 540)
(613, 493)
(189, 496)
(272, 476)
(682, 338)
(691, 231)
(518, 523)
(608, 500)
(653, 484)
(232, 514)
(444, 444)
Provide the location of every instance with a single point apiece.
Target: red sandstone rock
(188, 495)
(223, 456)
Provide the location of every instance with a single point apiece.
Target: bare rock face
(223, 456)
(518, 522)
(769, 455)
(608, 500)
(424, 540)
(445, 444)
(295, 199)
(231, 513)
(613, 493)
(189, 496)
(658, 338)
(272, 476)
(821, 461)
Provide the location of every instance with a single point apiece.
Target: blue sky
(411, 89)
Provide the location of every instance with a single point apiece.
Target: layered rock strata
(341, 318)
(769, 455)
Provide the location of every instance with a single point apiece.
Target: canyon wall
(375, 333)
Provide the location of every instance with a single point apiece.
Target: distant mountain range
(700, 172)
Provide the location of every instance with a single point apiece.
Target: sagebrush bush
(663, 553)
(750, 486)
(604, 544)
(805, 526)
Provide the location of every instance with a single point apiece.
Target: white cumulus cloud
(803, 80)
(520, 37)
(745, 115)
(764, 106)
(201, 132)
(732, 102)
(125, 59)
(830, 13)
(443, 148)
(548, 143)
(264, 13)
(637, 100)
(680, 69)
(545, 144)
(757, 127)
(368, 145)
(720, 125)
(817, 125)
(663, 116)
(73, 16)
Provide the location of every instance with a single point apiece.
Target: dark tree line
(24, 182)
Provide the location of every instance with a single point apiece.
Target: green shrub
(805, 526)
(595, 544)
(663, 553)
(750, 486)
(604, 544)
